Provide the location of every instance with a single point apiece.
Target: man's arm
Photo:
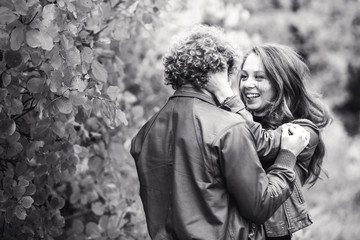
(256, 193)
(267, 142)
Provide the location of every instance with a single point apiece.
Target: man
(199, 172)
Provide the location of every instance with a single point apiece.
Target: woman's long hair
(288, 73)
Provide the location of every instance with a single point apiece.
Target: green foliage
(63, 103)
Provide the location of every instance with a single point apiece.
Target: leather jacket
(200, 175)
(293, 215)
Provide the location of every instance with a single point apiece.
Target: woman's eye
(260, 77)
(243, 77)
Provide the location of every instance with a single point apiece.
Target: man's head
(205, 49)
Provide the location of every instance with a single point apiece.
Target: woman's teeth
(252, 95)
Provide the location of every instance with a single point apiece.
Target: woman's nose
(249, 83)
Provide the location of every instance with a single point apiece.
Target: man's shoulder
(215, 113)
(214, 119)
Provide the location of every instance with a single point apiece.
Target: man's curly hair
(204, 50)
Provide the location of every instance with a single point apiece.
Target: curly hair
(204, 50)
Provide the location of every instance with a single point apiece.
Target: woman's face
(255, 87)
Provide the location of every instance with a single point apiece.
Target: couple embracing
(229, 163)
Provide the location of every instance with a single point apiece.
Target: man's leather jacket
(200, 175)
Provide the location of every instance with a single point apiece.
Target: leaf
(122, 33)
(98, 208)
(17, 38)
(67, 43)
(3, 94)
(77, 98)
(57, 203)
(78, 84)
(99, 71)
(46, 41)
(58, 220)
(103, 222)
(87, 55)
(2, 196)
(36, 38)
(113, 92)
(92, 230)
(13, 58)
(112, 229)
(19, 191)
(21, 168)
(32, 38)
(77, 226)
(20, 212)
(64, 105)
(16, 106)
(35, 85)
(13, 138)
(137, 112)
(56, 61)
(14, 149)
(30, 190)
(21, 7)
(94, 163)
(147, 19)
(7, 128)
(6, 16)
(120, 118)
(9, 213)
(129, 98)
(58, 128)
(6, 79)
(132, 8)
(56, 81)
(73, 56)
(41, 170)
(26, 202)
(49, 12)
(40, 197)
(85, 3)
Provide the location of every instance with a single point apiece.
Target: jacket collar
(190, 91)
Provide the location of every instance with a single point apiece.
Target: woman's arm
(267, 142)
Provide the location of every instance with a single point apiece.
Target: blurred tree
(349, 110)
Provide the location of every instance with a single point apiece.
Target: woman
(272, 86)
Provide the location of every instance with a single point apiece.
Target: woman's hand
(219, 85)
(294, 138)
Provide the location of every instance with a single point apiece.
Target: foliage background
(80, 77)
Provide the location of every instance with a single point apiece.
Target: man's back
(187, 189)
(181, 196)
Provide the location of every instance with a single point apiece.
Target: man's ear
(234, 80)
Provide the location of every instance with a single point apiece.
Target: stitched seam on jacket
(152, 123)
(201, 144)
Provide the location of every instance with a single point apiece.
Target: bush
(64, 102)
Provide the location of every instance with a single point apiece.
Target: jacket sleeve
(256, 193)
(267, 142)
(304, 158)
